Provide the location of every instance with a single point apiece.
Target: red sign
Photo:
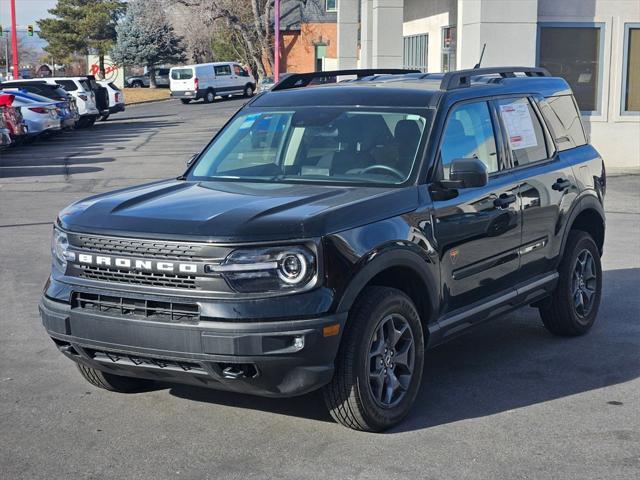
(110, 70)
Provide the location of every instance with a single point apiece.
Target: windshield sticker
(519, 126)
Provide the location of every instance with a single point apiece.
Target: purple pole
(276, 55)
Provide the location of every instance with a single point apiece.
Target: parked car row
(35, 108)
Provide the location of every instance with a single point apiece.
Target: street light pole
(276, 56)
(14, 41)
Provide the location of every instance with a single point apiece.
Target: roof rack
(462, 78)
(298, 80)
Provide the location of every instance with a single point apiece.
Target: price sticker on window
(517, 120)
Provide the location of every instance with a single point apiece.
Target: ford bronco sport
(327, 236)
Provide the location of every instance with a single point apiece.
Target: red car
(12, 118)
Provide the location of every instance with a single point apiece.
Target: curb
(155, 100)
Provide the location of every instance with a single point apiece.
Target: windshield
(181, 73)
(316, 144)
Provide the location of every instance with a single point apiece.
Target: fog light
(298, 342)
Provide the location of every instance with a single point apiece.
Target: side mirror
(468, 172)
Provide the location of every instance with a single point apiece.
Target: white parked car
(116, 99)
(40, 117)
(209, 80)
(78, 87)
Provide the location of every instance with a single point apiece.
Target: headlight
(60, 249)
(269, 269)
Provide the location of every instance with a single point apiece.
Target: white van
(208, 80)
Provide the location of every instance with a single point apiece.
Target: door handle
(561, 184)
(504, 200)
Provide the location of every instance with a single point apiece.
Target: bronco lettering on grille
(134, 264)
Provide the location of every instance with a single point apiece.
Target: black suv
(328, 235)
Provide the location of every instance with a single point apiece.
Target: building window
(414, 53)
(631, 74)
(320, 53)
(331, 5)
(449, 44)
(574, 51)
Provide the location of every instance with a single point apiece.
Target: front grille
(167, 280)
(143, 248)
(144, 361)
(137, 308)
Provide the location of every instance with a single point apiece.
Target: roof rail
(462, 78)
(298, 80)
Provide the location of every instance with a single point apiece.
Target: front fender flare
(377, 262)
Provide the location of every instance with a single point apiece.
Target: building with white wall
(593, 44)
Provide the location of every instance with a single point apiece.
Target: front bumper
(244, 356)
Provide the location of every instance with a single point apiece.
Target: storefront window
(448, 49)
(574, 52)
(331, 5)
(631, 90)
(415, 52)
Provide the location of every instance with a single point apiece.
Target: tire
(137, 84)
(209, 96)
(354, 398)
(113, 383)
(104, 118)
(248, 91)
(91, 122)
(185, 100)
(563, 315)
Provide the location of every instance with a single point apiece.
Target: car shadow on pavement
(506, 364)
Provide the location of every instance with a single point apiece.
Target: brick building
(309, 30)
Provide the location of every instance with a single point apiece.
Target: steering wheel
(386, 168)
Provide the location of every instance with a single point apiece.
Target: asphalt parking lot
(507, 401)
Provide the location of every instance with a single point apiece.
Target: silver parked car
(162, 79)
(40, 117)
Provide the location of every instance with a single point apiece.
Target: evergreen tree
(81, 26)
(146, 37)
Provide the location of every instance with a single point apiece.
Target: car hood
(231, 211)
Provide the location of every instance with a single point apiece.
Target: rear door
(478, 230)
(547, 182)
(182, 79)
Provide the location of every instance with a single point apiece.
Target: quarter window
(563, 119)
(574, 52)
(469, 133)
(524, 133)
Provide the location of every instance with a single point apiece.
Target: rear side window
(563, 119)
(68, 85)
(523, 130)
(222, 70)
(181, 74)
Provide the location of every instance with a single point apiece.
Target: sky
(27, 12)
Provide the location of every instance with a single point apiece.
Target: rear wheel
(574, 304)
(137, 84)
(113, 383)
(104, 117)
(185, 100)
(210, 96)
(248, 91)
(379, 365)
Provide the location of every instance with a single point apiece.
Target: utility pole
(276, 56)
(14, 41)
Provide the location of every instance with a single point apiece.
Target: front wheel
(379, 364)
(573, 307)
(248, 91)
(111, 382)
